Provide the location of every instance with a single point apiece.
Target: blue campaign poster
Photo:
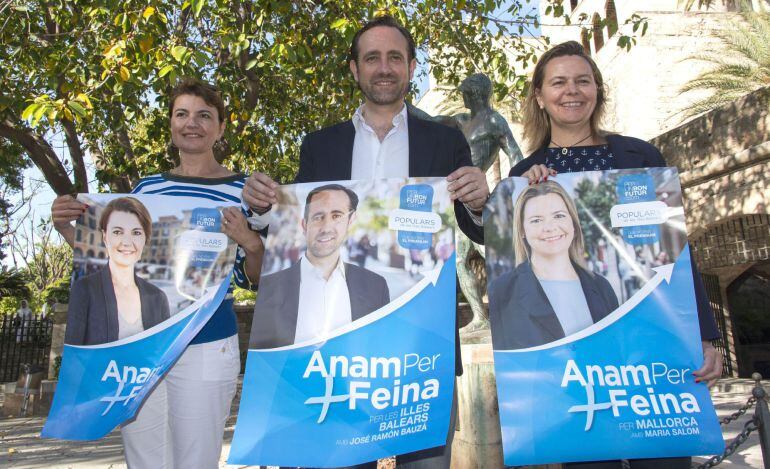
(351, 356)
(594, 322)
(106, 373)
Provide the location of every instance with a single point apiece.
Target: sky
(42, 200)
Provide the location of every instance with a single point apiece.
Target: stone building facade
(724, 159)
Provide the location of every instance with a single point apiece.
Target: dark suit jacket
(522, 316)
(633, 153)
(435, 150)
(277, 306)
(92, 315)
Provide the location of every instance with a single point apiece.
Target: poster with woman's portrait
(351, 353)
(594, 320)
(148, 272)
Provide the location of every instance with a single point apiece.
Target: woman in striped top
(182, 422)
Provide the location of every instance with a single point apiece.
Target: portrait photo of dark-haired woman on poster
(114, 303)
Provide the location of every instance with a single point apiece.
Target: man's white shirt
(373, 159)
(391, 156)
(324, 305)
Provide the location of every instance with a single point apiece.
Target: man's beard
(383, 97)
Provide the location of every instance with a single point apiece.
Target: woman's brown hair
(206, 91)
(128, 205)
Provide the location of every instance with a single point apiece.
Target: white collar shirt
(324, 305)
(375, 159)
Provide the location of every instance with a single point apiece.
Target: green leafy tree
(13, 283)
(742, 66)
(58, 290)
(94, 76)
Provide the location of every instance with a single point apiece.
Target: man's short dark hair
(389, 21)
(352, 196)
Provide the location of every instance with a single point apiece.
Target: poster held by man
(351, 355)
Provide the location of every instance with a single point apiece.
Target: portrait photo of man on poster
(343, 291)
(330, 259)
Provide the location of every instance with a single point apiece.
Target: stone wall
(723, 158)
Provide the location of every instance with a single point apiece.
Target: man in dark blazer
(329, 211)
(383, 139)
(382, 62)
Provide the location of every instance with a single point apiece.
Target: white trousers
(182, 422)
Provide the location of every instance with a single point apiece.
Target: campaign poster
(149, 271)
(594, 322)
(351, 353)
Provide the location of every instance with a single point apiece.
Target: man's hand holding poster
(351, 354)
(594, 322)
(149, 271)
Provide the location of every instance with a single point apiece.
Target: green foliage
(9, 305)
(56, 367)
(50, 265)
(58, 290)
(13, 283)
(372, 216)
(742, 66)
(98, 73)
(689, 4)
(243, 296)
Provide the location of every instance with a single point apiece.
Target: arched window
(597, 32)
(585, 41)
(612, 18)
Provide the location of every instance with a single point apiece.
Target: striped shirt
(226, 189)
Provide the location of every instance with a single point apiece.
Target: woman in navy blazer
(562, 115)
(549, 251)
(114, 302)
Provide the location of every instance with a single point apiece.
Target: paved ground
(21, 446)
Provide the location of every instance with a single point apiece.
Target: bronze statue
(487, 133)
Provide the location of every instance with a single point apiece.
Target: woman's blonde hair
(521, 248)
(537, 123)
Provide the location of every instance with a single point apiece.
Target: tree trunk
(42, 154)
